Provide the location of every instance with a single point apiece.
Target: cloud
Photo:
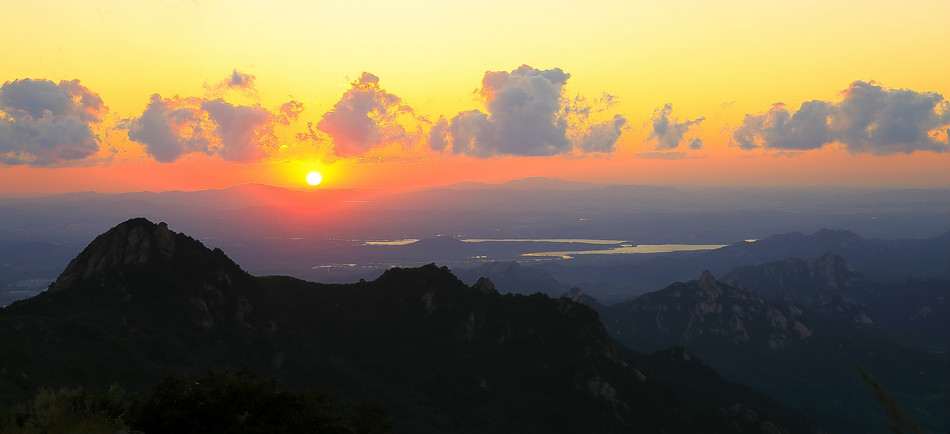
(523, 117)
(869, 119)
(289, 112)
(172, 127)
(43, 123)
(779, 129)
(696, 143)
(438, 135)
(240, 129)
(236, 81)
(365, 117)
(669, 133)
(526, 115)
(602, 137)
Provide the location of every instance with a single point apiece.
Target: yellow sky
(713, 60)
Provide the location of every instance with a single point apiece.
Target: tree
(244, 403)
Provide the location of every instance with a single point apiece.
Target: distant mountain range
(142, 301)
(612, 279)
(315, 234)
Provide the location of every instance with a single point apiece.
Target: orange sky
(126, 96)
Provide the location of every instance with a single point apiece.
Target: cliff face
(136, 242)
(705, 312)
(807, 278)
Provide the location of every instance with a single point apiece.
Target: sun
(314, 178)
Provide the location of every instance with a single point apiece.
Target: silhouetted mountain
(804, 355)
(704, 313)
(514, 278)
(577, 295)
(831, 287)
(806, 278)
(701, 386)
(142, 301)
(616, 278)
(877, 259)
(828, 285)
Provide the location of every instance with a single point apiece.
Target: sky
(129, 95)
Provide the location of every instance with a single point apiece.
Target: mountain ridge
(142, 301)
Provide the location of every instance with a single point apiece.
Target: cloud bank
(527, 115)
(172, 127)
(43, 123)
(869, 119)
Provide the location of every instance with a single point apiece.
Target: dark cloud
(43, 123)
(365, 117)
(869, 119)
(239, 128)
(526, 115)
(669, 133)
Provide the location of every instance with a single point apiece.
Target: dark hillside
(141, 302)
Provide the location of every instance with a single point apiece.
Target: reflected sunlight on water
(626, 249)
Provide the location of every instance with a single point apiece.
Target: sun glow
(314, 178)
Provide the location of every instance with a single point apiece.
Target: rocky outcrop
(807, 278)
(707, 312)
(577, 295)
(827, 285)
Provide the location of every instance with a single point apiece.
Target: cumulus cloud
(365, 117)
(172, 127)
(527, 114)
(669, 133)
(602, 137)
(43, 123)
(236, 81)
(869, 119)
(240, 129)
(696, 143)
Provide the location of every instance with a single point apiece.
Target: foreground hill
(141, 302)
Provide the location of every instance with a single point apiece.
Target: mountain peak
(706, 279)
(485, 285)
(141, 244)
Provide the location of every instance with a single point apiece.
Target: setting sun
(314, 178)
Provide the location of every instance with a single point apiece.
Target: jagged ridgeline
(141, 302)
